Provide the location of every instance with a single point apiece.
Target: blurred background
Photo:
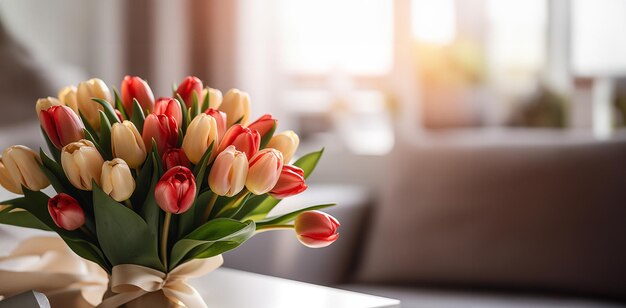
(475, 144)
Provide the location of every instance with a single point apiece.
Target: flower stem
(164, 236)
(128, 204)
(209, 208)
(274, 227)
(89, 233)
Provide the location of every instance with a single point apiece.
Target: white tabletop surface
(229, 288)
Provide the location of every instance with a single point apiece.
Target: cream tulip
(67, 96)
(229, 171)
(236, 105)
(215, 97)
(202, 131)
(82, 164)
(45, 104)
(127, 144)
(22, 165)
(7, 181)
(92, 88)
(116, 179)
(286, 142)
(264, 171)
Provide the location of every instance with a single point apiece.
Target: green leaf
(212, 238)
(88, 126)
(150, 210)
(187, 220)
(183, 109)
(108, 110)
(262, 205)
(90, 137)
(89, 251)
(105, 136)
(205, 103)
(266, 139)
(142, 183)
(138, 117)
(22, 218)
(124, 236)
(236, 208)
(119, 105)
(200, 169)
(195, 108)
(53, 150)
(285, 218)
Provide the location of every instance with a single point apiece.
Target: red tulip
(244, 139)
(169, 106)
(136, 88)
(66, 212)
(176, 190)
(61, 125)
(163, 129)
(186, 89)
(290, 182)
(220, 120)
(316, 229)
(175, 157)
(264, 125)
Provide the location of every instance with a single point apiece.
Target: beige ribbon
(132, 281)
(47, 265)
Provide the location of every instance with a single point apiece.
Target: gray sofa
(473, 219)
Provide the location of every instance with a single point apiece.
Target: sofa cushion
(538, 215)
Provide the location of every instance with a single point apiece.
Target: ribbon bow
(132, 281)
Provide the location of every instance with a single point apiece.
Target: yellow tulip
(82, 164)
(236, 105)
(127, 144)
(7, 181)
(215, 97)
(286, 142)
(67, 96)
(116, 179)
(202, 131)
(92, 88)
(22, 165)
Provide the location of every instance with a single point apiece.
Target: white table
(229, 288)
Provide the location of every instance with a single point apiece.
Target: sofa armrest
(280, 254)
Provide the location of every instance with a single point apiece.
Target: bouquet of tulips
(158, 183)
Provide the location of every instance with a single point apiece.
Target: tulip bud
(215, 97)
(286, 142)
(243, 138)
(264, 125)
(7, 181)
(290, 182)
(229, 171)
(66, 212)
(169, 106)
(23, 166)
(136, 88)
(116, 179)
(127, 144)
(202, 131)
(163, 129)
(67, 96)
(176, 190)
(264, 171)
(82, 164)
(220, 121)
(316, 229)
(190, 85)
(45, 103)
(175, 157)
(92, 88)
(61, 125)
(236, 105)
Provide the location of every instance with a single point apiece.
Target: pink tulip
(264, 171)
(175, 157)
(244, 139)
(220, 120)
(176, 190)
(290, 182)
(316, 229)
(169, 106)
(163, 129)
(66, 212)
(264, 125)
(186, 89)
(136, 88)
(61, 125)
